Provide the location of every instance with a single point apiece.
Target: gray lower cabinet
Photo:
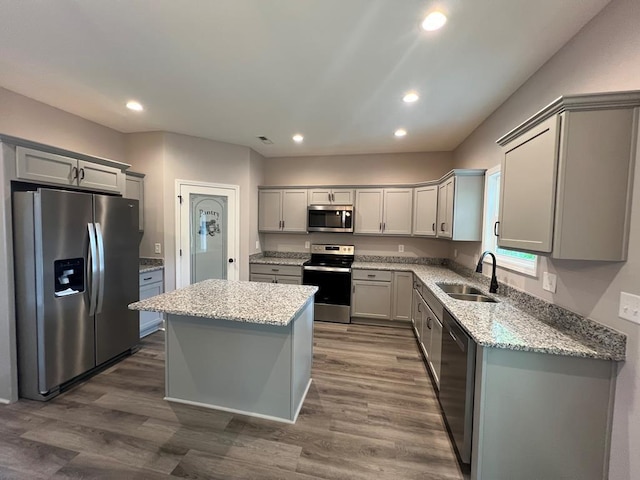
(371, 294)
(428, 327)
(151, 284)
(288, 274)
(402, 290)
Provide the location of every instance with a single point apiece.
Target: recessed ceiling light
(298, 138)
(434, 21)
(135, 106)
(401, 132)
(410, 97)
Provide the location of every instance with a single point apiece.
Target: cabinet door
(371, 299)
(402, 290)
(93, 176)
(445, 208)
(368, 209)
(134, 188)
(425, 211)
(342, 196)
(269, 210)
(528, 189)
(288, 280)
(435, 350)
(319, 196)
(425, 340)
(259, 277)
(44, 167)
(294, 210)
(150, 321)
(397, 211)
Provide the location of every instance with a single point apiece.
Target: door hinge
(180, 197)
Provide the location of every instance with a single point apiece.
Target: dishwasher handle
(455, 332)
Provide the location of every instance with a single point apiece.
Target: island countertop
(250, 302)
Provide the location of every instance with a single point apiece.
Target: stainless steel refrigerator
(76, 270)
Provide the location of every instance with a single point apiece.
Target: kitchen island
(242, 347)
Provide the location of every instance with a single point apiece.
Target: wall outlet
(257, 244)
(307, 244)
(157, 248)
(400, 248)
(549, 282)
(629, 307)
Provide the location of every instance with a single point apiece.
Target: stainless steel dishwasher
(457, 374)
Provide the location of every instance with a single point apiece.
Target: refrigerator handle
(100, 267)
(93, 284)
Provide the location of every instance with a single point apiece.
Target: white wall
(604, 56)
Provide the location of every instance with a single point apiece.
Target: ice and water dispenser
(69, 276)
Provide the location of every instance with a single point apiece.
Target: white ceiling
(333, 70)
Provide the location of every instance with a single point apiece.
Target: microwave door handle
(100, 267)
(93, 283)
(344, 219)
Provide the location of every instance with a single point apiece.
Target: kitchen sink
(472, 297)
(460, 291)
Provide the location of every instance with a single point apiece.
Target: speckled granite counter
(503, 325)
(252, 302)
(150, 268)
(296, 262)
(241, 347)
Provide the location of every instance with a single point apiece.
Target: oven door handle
(327, 269)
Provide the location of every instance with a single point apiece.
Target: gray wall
(604, 56)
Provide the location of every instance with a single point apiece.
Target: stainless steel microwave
(330, 218)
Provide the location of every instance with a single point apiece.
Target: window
(510, 259)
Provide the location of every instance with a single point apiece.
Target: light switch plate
(629, 307)
(307, 245)
(158, 248)
(257, 244)
(400, 248)
(549, 282)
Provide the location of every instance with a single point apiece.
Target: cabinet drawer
(433, 302)
(276, 269)
(150, 277)
(377, 275)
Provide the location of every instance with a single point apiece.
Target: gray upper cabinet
(51, 168)
(383, 211)
(330, 196)
(282, 210)
(134, 188)
(566, 178)
(425, 211)
(460, 201)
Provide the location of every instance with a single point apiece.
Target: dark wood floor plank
(371, 413)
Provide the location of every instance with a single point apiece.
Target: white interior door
(207, 240)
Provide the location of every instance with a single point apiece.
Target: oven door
(334, 286)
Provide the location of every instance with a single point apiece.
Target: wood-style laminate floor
(371, 413)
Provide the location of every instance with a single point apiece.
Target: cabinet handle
(283, 224)
(429, 323)
(329, 195)
(82, 173)
(442, 227)
(495, 229)
(433, 226)
(380, 227)
(275, 269)
(148, 278)
(453, 336)
(333, 197)
(370, 275)
(275, 280)
(74, 173)
(384, 227)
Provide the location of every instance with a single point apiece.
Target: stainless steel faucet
(493, 288)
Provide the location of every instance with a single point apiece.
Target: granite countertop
(251, 302)
(150, 268)
(296, 262)
(502, 325)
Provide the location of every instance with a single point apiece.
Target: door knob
(231, 260)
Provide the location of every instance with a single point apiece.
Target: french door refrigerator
(76, 270)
